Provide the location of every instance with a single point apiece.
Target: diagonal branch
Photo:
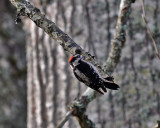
(149, 31)
(111, 63)
(24, 8)
(79, 106)
(119, 37)
(66, 118)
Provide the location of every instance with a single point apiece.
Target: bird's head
(74, 60)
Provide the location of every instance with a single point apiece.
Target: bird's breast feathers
(81, 76)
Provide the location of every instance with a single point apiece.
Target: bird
(88, 74)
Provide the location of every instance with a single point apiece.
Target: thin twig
(149, 31)
(66, 118)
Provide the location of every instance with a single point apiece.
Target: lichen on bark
(26, 9)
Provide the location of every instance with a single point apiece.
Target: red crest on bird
(70, 59)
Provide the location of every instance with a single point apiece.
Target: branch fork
(78, 107)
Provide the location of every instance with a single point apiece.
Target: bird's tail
(110, 85)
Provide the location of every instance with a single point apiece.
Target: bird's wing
(81, 76)
(87, 74)
(88, 70)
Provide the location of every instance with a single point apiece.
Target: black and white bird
(88, 74)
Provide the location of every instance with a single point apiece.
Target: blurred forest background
(37, 84)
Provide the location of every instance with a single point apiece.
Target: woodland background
(49, 86)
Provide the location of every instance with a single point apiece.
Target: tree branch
(79, 106)
(149, 31)
(66, 118)
(111, 63)
(119, 37)
(24, 8)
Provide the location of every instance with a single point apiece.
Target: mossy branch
(79, 106)
(113, 59)
(119, 37)
(24, 8)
